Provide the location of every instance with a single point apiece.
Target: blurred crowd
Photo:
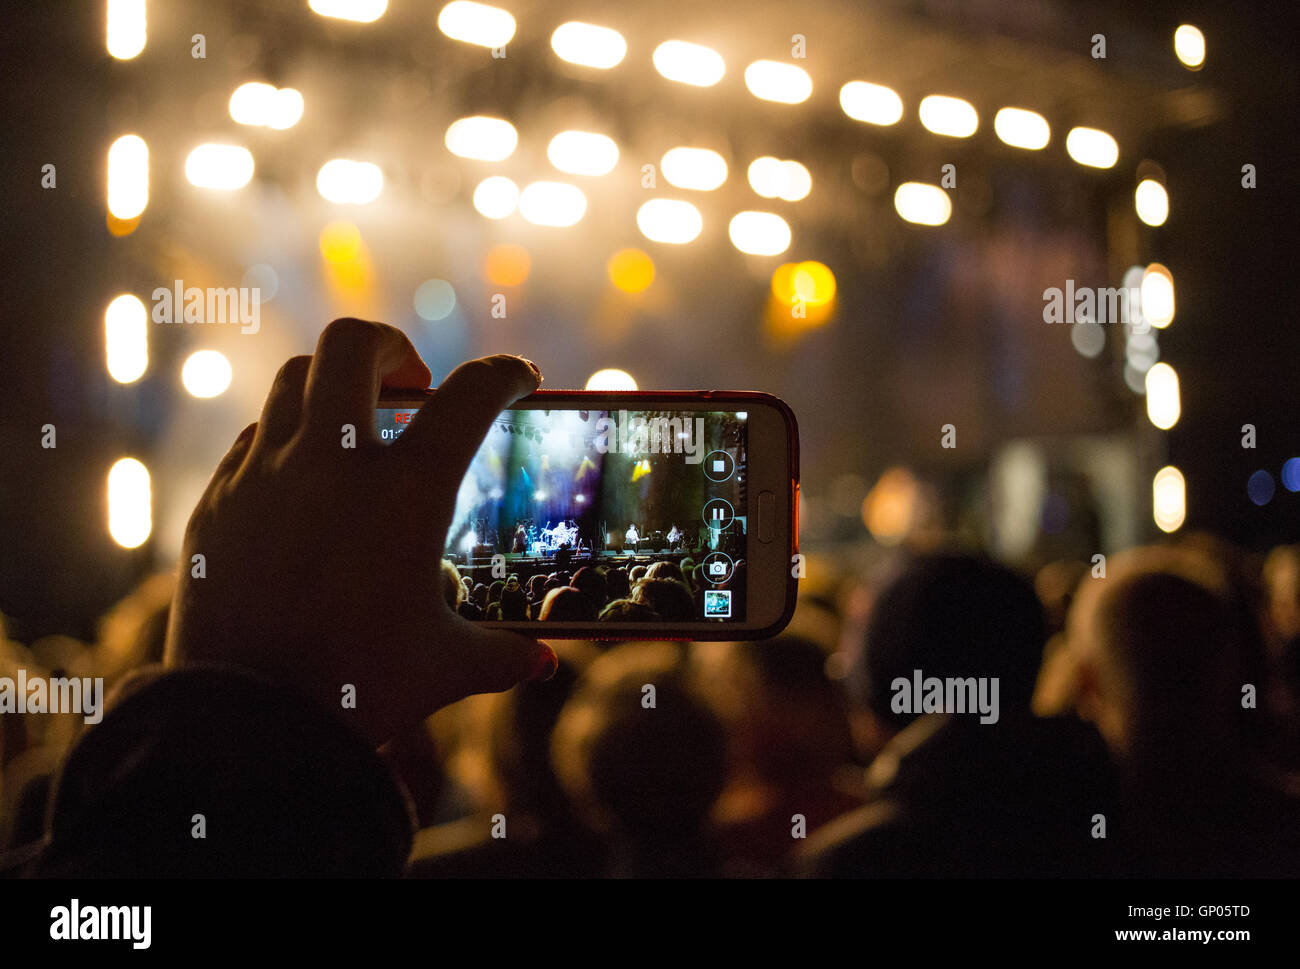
(1149, 724)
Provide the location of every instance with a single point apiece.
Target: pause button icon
(718, 514)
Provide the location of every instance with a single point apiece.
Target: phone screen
(643, 513)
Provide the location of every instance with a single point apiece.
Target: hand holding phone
(671, 514)
(321, 546)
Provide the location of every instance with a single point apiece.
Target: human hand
(322, 562)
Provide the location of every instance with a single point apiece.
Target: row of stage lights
(591, 154)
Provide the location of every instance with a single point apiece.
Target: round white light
(496, 196)
(206, 373)
(669, 220)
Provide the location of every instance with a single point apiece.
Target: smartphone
(627, 514)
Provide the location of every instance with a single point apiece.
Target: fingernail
(537, 371)
(547, 665)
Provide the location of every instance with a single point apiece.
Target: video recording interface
(618, 516)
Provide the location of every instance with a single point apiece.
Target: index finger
(446, 433)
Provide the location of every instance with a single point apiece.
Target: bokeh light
(948, 116)
(434, 299)
(922, 204)
(775, 81)
(1164, 404)
(347, 182)
(699, 169)
(759, 233)
(1089, 338)
(340, 242)
(206, 373)
(360, 11)
(1169, 499)
(126, 28)
(1291, 474)
(130, 503)
(631, 270)
(128, 177)
(785, 179)
(1151, 202)
(220, 167)
(1189, 46)
(588, 45)
(1021, 128)
(583, 153)
(871, 103)
(687, 63)
(1158, 296)
(264, 105)
(669, 220)
(507, 264)
(476, 23)
(126, 338)
(889, 507)
(481, 138)
(1092, 147)
(611, 379)
(556, 204)
(1260, 488)
(496, 197)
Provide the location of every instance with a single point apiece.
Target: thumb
(495, 660)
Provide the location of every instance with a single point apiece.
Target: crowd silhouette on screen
(661, 591)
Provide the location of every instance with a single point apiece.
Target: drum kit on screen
(552, 538)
